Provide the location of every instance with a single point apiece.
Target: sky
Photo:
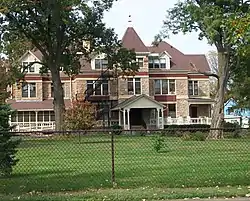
(147, 19)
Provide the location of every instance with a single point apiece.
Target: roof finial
(129, 21)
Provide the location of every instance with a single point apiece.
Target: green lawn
(69, 164)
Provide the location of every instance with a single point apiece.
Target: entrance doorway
(193, 111)
(136, 117)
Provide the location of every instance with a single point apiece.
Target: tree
(210, 18)
(7, 144)
(80, 116)
(59, 28)
(241, 70)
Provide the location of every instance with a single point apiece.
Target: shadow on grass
(53, 181)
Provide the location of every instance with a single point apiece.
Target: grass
(71, 164)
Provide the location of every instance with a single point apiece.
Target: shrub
(8, 145)
(80, 116)
(178, 130)
(197, 136)
(116, 129)
(158, 143)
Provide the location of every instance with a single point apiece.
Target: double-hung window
(29, 90)
(134, 86)
(164, 87)
(193, 89)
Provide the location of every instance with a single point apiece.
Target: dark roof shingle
(180, 61)
(131, 40)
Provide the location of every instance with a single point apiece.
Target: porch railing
(33, 126)
(187, 120)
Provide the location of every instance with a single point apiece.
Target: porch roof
(142, 99)
(26, 105)
(208, 101)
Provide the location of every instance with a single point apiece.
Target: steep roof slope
(131, 40)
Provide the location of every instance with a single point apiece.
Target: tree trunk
(59, 106)
(218, 110)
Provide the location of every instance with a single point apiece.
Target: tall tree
(209, 18)
(58, 29)
(240, 36)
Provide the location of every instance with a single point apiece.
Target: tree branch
(28, 35)
(207, 73)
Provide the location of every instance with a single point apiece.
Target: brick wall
(182, 108)
(145, 85)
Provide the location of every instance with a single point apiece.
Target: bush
(178, 130)
(116, 129)
(158, 143)
(197, 136)
(80, 116)
(8, 146)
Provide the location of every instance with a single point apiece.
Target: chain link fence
(174, 158)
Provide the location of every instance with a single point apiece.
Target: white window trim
(92, 63)
(29, 87)
(93, 83)
(28, 69)
(134, 86)
(168, 87)
(193, 87)
(137, 60)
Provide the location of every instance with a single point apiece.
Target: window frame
(29, 90)
(93, 83)
(169, 81)
(134, 82)
(160, 64)
(28, 70)
(101, 63)
(195, 91)
(140, 63)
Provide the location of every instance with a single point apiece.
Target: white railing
(33, 126)
(187, 120)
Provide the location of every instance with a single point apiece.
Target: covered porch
(140, 112)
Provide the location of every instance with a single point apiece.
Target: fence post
(112, 160)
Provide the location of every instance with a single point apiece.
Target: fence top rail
(110, 131)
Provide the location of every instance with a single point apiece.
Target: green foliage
(196, 136)
(58, 30)
(116, 129)
(178, 130)
(210, 18)
(159, 143)
(8, 145)
(80, 116)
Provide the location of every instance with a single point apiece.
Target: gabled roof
(180, 61)
(135, 98)
(35, 52)
(131, 40)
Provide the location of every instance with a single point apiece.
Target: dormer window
(101, 64)
(156, 62)
(30, 69)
